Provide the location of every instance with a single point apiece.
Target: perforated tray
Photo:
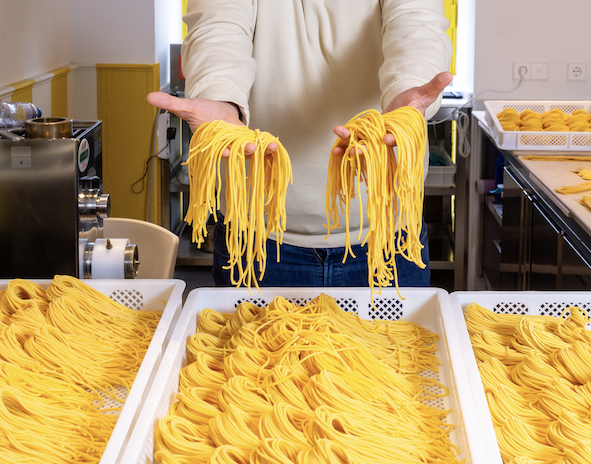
(537, 140)
(526, 303)
(428, 307)
(142, 295)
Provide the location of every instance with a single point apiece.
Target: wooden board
(550, 175)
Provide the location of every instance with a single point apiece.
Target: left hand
(419, 97)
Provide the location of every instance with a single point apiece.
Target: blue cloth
(318, 267)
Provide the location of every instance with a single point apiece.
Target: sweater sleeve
(415, 47)
(216, 54)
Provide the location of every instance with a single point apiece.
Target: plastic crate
(441, 176)
(537, 140)
(534, 303)
(428, 307)
(142, 295)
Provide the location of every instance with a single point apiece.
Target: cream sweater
(299, 68)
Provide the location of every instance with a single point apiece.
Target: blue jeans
(318, 267)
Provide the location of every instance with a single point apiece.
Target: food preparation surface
(550, 175)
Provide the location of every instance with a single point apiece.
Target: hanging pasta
(309, 384)
(255, 193)
(394, 184)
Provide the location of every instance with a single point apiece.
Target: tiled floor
(194, 277)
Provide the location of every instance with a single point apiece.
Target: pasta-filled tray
(542, 305)
(427, 307)
(528, 140)
(164, 296)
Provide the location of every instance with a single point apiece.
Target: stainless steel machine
(52, 205)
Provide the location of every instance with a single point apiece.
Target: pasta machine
(52, 205)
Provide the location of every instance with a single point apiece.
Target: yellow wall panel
(59, 92)
(128, 122)
(451, 13)
(23, 91)
(184, 12)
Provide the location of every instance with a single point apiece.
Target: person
(300, 70)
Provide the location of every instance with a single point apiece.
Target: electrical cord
(176, 175)
(463, 145)
(155, 131)
(463, 121)
(143, 178)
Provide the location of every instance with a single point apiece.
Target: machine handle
(10, 136)
(548, 219)
(94, 181)
(574, 248)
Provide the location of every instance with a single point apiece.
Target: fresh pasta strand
(556, 158)
(255, 193)
(308, 384)
(536, 376)
(585, 187)
(509, 119)
(553, 120)
(395, 189)
(62, 350)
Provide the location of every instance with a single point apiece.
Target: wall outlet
(521, 69)
(576, 72)
(539, 71)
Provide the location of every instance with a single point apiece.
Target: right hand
(197, 111)
(419, 97)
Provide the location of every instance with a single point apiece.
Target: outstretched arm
(197, 111)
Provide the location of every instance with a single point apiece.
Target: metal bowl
(49, 128)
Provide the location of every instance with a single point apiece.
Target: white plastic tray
(440, 176)
(143, 295)
(428, 307)
(534, 303)
(537, 140)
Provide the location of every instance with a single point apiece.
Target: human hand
(418, 97)
(197, 111)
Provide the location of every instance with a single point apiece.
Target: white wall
(112, 31)
(43, 35)
(464, 75)
(35, 38)
(531, 31)
(130, 31)
(168, 27)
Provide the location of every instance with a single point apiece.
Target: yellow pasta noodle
(509, 119)
(62, 350)
(586, 201)
(394, 184)
(536, 378)
(584, 187)
(309, 384)
(556, 158)
(530, 121)
(254, 193)
(554, 120)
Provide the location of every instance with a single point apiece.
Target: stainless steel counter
(533, 239)
(544, 244)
